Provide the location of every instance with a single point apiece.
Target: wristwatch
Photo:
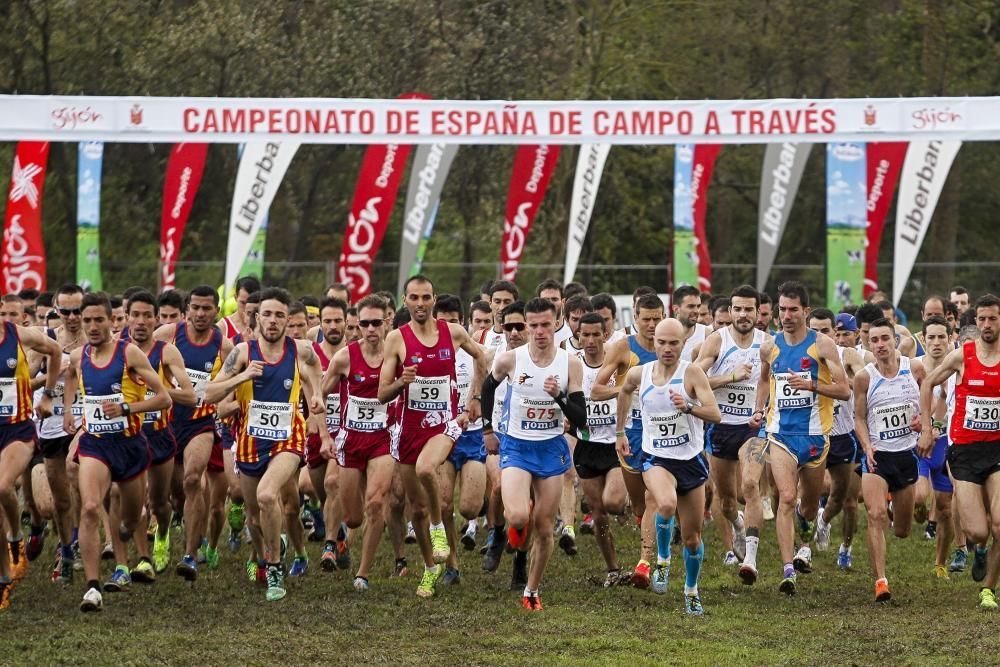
(126, 409)
(51, 393)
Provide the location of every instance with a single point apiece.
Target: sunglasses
(514, 326)
(70, 311)
(364, 324)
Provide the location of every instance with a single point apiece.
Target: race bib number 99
(736, 399)
(982, 414)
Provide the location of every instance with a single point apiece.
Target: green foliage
(464, 49)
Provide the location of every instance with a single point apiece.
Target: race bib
(669, 430)
(366, 415)
(600, 413)
(537, 414)
(982, 414)
(200, 380)
(636, 410)
(155, 415)
(736, 399)
(786, 397)
(96, 421)
(270, 421)
(333, 412)
(893, 421)
(8, 397)
(430, 394)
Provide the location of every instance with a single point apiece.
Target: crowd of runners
(142, 435)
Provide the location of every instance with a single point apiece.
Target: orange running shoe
(532, 603)
(18, 561)
(882, 593)
(641, 576)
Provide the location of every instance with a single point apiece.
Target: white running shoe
(92, 600)
(739, 538)
(730, 559)
(768, 512)
(803, 559)
(822, 535)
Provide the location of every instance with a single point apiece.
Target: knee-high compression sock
(664, 533)
(692, 567)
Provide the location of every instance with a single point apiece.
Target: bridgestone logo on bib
(736, 399)
(366, 415)
(600, 413)
(8, 397)
(787, 397)
(270, 421)
(982, 414)
(332, 412)
(539, 415)
(430, 394)
(95, 419)
(200, 379)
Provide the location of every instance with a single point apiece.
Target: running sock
(932, 525)
(437, 526)
(94, 583)
(528, 593)
(37, 530)
(692, 568)
(330, 544)
(789, 571)
(752, 543)
(66, 552)
(664, 532)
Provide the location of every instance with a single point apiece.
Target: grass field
(222, 619)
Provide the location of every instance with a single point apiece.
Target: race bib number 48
(95, 419)
(982, 414)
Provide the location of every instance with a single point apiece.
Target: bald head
(670, 327)
(668, 341)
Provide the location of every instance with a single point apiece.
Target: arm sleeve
(574, 407)
(490, 385)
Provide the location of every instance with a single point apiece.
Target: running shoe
(730, 559)
(343, 559)
(567, 542)
(427, 583)
(77, 559)
(882, 593)
(748, 574)
(768, 511)
(930, 533)
(299, 566)
(143, 573)
(469, 537)
(641, 575)
(235, 541)
(822, 535)
(451, 577)
(63, 572)
(360, 584)
(411, 535)
(5, 589)
(959, 561)
(587, 527)
(978, 563)
(787, 585)
(987, 599)
(439, 544)
(188, 568)
(804, 525)
(558, 527)
(844, 559)
(532, 603)
(36, 544)
(400, 569)
(236, 517)
(211, 557)
(489, 541)
(739, 538)
(661, 573)
(613, 579)
(318, 533)
(328, 561)
(252, 570)
(496, 542)
(161, 552)
(275, 584)
(119, 580)
(803, 559)
(92, 600)
(693, 605)
(941, 572)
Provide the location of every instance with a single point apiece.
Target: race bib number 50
(270, 421)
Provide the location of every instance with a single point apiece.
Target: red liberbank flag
(184, 170)
(533, 167)
(885, 159)
(701, 175)
(22, 263)
(374, 196)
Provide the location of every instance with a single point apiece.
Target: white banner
(589, 167)
(924, 173)
(262, 167)
(363, 121)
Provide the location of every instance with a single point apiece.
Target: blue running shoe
(959, 561)
(660, 575)
(844, 560)
(693, 606)
(299, 566)
(979, 563)
(188, 568)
